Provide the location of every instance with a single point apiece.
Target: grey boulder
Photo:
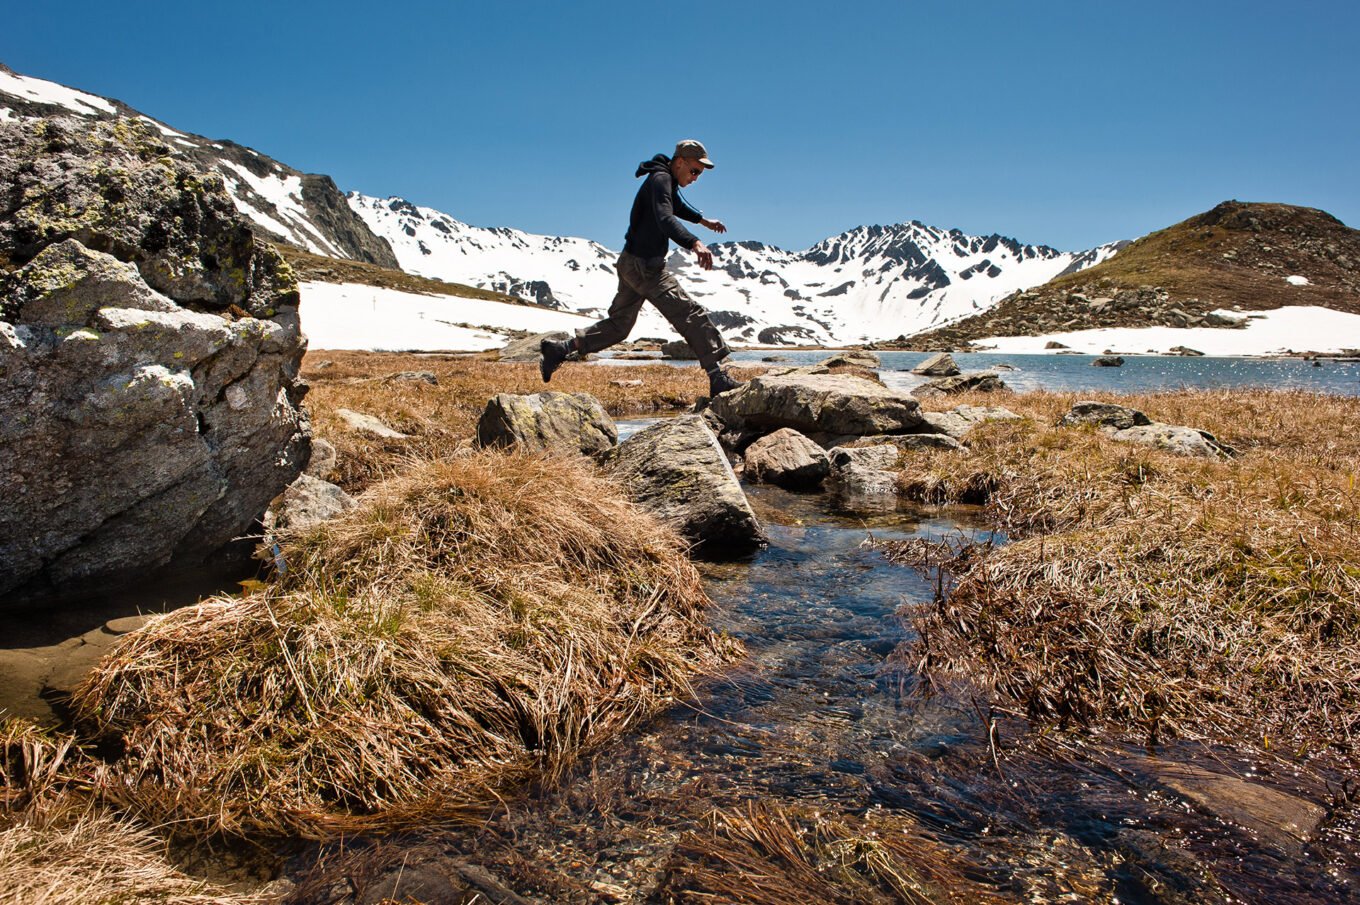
(788, 459)
(137, 432)
(678, 350)
(980, 381)
(866, 476)
(1174, 438)
(677, 470)
(307, 501)
(835, 404)
(525, 349)
(1103, 415)
(940, 364)
(574, 423)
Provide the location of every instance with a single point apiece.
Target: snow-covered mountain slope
(873, 282)
(302, 209)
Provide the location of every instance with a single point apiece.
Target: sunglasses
(695, 171)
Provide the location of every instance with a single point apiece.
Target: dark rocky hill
(1238, 256)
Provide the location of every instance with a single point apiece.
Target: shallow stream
(818, 718)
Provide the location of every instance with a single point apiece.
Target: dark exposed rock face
(1108, 361)
(677, 470)
(149, 355)
(574, 423)
(329, 210)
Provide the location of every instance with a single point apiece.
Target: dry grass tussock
(1155, 593)
(437, 417)
(476, 623)
(787, 856)
(58, 846)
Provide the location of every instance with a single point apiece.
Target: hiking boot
(719, 381)
(554, 352)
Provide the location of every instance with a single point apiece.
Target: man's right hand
(705, 256)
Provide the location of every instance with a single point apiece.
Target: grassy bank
(463, 631)
(1154, 594)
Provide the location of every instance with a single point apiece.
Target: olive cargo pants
(649, 281)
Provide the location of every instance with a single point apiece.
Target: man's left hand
(716, 225)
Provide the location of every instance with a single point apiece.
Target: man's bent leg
(687, 316)
(623, 312)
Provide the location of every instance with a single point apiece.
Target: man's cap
(694, 150)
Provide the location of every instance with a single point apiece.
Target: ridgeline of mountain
(868, 283)
(1239, 256)
(306, 210)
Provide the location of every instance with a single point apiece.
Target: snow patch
(7, 115)
(1297, 280)
(45, 92)
(162, 128)
(1297, 328)
(355, 316)
(285, 194)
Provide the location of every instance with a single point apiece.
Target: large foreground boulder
(836, 404)
(548, 422)
(149, 355)
(677, 470)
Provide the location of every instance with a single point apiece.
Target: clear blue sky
(1064, 123)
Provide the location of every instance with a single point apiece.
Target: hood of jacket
(658, 164)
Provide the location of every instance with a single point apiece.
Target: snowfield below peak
(871, 283)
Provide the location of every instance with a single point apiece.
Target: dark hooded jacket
(655, 211)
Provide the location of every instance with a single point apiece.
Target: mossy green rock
(150, 406)
(574, 423)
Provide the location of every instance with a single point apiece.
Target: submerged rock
(677, 470)
(834, 404)
(573, 423)
(1108, 361)
(788, 459)
(150, 405)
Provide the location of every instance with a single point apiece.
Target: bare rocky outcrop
(573, 423)
(149, 355)
(677, 470)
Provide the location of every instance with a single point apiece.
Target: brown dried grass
(438, 418)
(1157, 594)
(769, 855)
(475, 624)
(90, 856)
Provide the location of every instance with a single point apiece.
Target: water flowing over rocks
(787, 458)
(573, 423)
(677, 470)
(149, 355)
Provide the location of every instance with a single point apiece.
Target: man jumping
(643, 275)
